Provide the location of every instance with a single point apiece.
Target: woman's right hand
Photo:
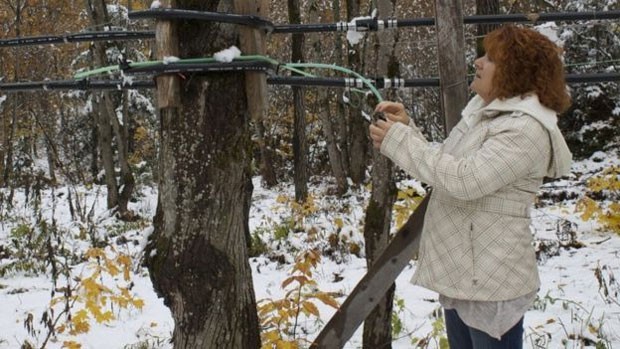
(393, 111)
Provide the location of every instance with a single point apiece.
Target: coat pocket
(472, 246)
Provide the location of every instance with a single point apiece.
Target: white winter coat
(477, 243)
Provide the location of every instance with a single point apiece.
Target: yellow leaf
(301, 279)
(283, 313)
(137, 303)
(125, 292)
(286, 345)
(120, 301)
(80, 316)
(339, 223)
(310, 308)
(406, 194)
(61, 328)
(272, 336)
(327, 299)
(103, 317)
(94, 253)
(587, 207)
(266, 308)
(90, 286)
(287, 281)
(79, 327)
(593, 329)
(71, 345)
(125, 262)
(111, 268)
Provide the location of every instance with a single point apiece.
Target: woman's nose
(477, 64)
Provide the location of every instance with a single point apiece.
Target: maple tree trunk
(358, 133)
(334, 126)
(300, 145)
(197, 255)
(335, 155)
(109, 126)
(378, 324)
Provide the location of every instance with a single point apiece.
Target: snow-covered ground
(578, 304)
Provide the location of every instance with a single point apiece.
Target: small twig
(600, 242)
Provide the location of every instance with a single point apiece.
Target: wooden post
(451, 56)
(167, 45)
(253, 42)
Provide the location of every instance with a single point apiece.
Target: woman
(476, 249)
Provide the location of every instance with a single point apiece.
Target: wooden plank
(451, 58)
(252, 42)
(167, 45)
(373, 286)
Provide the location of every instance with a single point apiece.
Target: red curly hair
(525, 62)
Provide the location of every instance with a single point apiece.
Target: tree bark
(127, 179)
(451, 52)
(108, 123)
(358, 140)
(267, 169)
(104, 141)
(334, 126)
(103, 107)
(300, 146)
(8, 145)
(51, 137)
(4, 130)
(197, 255)
(335, 156)
(340, 123)
(485, 7)
(378, 324)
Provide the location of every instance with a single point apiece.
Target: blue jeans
(461, 336)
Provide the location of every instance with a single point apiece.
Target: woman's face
(483, 81)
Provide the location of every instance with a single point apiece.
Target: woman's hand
(378, 130)
(393, 111)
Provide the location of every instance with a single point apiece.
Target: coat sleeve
(514, 148)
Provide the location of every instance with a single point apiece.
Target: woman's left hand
(378, 130)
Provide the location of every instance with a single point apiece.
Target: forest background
(79, 173)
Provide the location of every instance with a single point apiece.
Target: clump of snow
(550, 30)
(593, 91)
(567, 34)
(171, 59)
(155, 4)
(353, 36)
(127, 79)
(2, 99)
(227, 55)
